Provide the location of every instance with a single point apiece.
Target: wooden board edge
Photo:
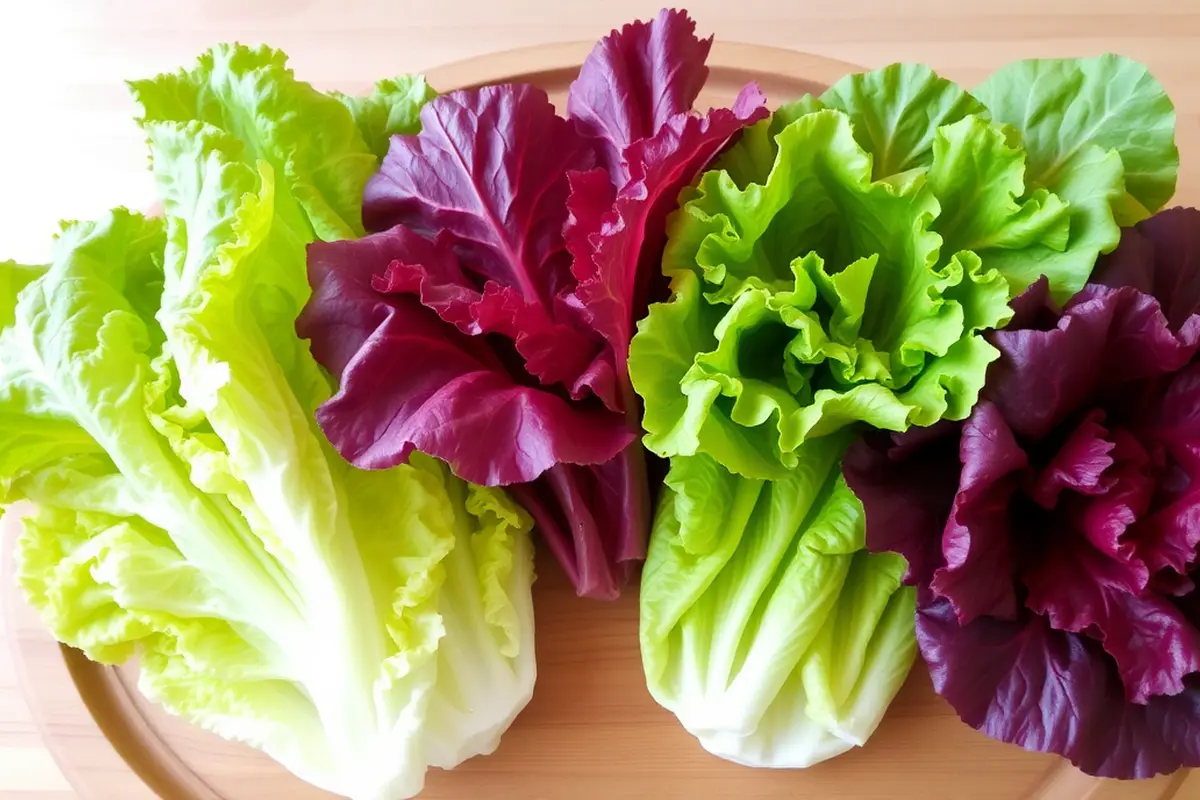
(527, 64)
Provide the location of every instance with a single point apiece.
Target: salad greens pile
(287, 441)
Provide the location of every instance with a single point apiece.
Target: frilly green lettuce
(156, 409)
(843, 260)
(817, 298)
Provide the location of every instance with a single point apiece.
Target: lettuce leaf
(823, 299)
(765, 626)
(616, 243)
(1063, 107)
(634, 83)
(307, 137)
(1100, 134)
(897, 111)
(391, 109)
(13, 278)
(507, 231)
(411, 382)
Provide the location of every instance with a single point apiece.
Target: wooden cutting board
(592, 729)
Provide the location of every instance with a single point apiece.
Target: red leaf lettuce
(486, 317)
(1054, 534)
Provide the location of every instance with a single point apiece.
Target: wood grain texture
(592, 729)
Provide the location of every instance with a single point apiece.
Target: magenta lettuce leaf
(634, 82)
(618, 241)
(1160, 257)
(1055, 533)
(410, 381)
(1025, 682)
(486, 318)
(486, 180)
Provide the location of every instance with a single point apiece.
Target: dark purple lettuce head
(486, 318)
(1054, 534)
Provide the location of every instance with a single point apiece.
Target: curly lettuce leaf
(310, 139)
(977, 174)
(486, 668)
(827, 299)
(35, 427)
(493, 566)
(909, 118)
(393, 108)
(189, 512)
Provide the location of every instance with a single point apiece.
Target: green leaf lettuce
(392, 108)
(156, 409)
(1100, 134)
(841, 263)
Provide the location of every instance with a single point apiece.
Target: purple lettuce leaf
(908, 482)
(977, 574)
(1056, 548)
(409, 381)
(1050, 691)
(487, 177)
(634, 81)
(1159, 257)
(617, 240)
(487, 318)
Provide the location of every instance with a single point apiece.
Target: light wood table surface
(69, 148)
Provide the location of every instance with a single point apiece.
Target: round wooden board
(592, 730)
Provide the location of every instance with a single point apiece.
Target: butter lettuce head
(156, 409)
(842, 261)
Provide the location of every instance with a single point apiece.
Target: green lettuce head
(181, 504)
(842, 262)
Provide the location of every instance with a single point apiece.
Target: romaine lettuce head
(157, 411)
(766, 627)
